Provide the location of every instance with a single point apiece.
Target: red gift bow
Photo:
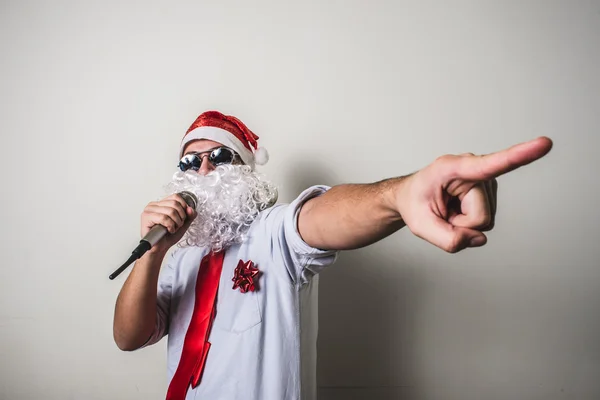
(244, 276)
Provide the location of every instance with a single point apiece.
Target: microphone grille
(190, 198)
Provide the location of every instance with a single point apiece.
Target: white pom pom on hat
(261, 156)
(229, 131)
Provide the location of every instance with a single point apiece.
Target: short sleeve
(301, 261)
(163, 299)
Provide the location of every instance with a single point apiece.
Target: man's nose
(206, 166)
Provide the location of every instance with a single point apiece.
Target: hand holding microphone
(163, 224)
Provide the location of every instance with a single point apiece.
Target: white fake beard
(229, 200)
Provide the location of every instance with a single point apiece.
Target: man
(236, 296)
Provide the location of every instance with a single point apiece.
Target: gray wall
(95, 97)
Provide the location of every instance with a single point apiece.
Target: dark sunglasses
(218, 156)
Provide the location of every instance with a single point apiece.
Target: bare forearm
(351, 216)
(135, 310)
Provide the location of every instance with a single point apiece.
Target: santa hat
(230, 132)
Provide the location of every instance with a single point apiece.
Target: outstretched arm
(449, 203)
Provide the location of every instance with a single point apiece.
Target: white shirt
(263, 343)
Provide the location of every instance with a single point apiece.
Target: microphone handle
(155, 234)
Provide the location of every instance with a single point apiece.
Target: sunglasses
(219, 156)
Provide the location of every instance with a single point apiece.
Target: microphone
(153, 236)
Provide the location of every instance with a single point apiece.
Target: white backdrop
(96, 96)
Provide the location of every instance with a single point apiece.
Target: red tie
(196, 345)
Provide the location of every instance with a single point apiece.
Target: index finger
(489, 166)
(180, 200)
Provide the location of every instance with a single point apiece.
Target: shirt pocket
(237, 312)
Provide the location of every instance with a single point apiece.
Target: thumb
(449, 238)
(191, 216)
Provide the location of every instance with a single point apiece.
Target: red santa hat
(230, 132)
